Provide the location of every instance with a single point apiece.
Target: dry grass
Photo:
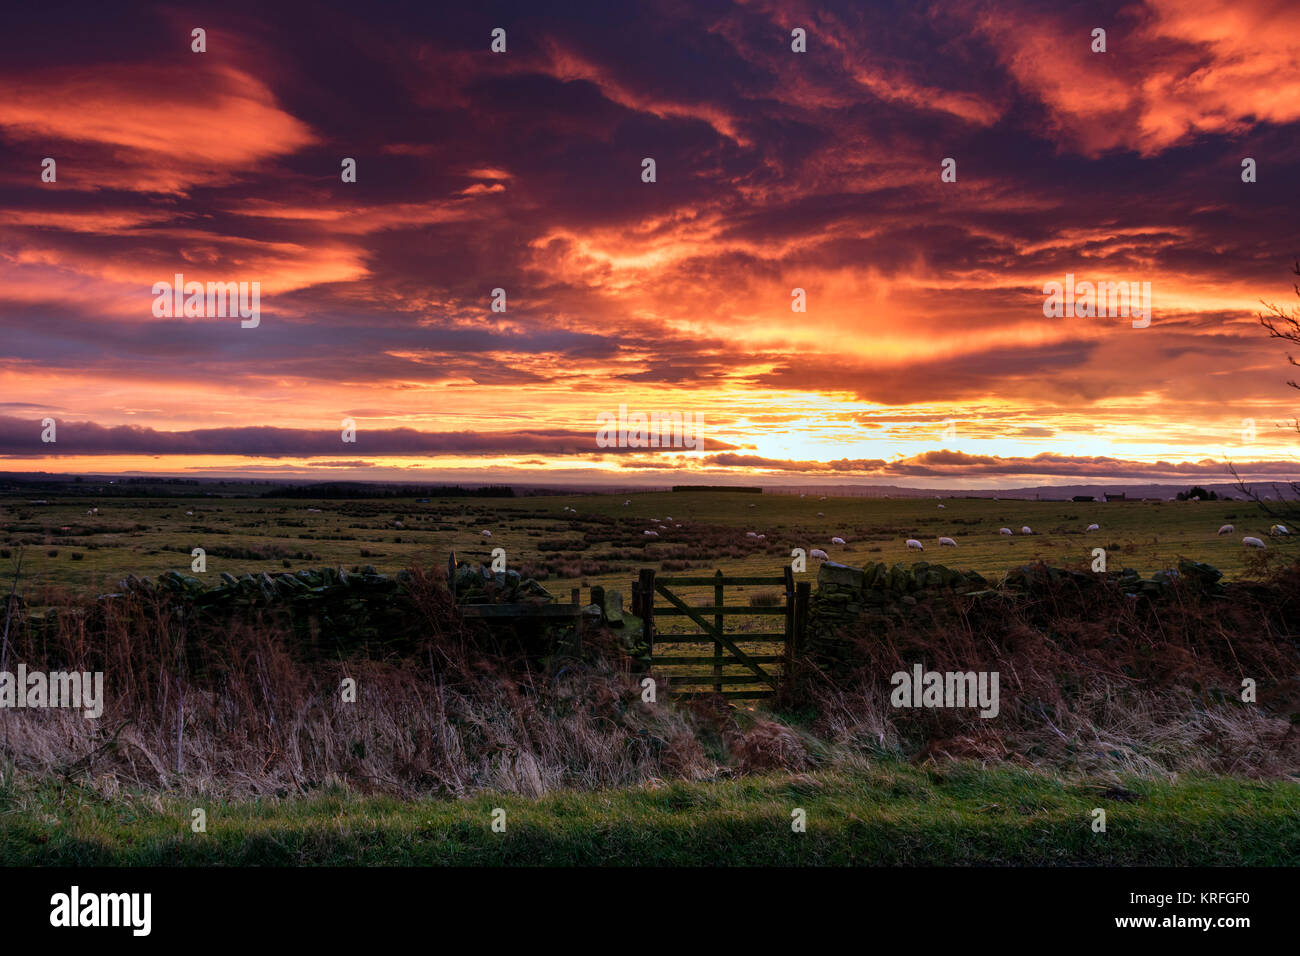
(248, 710)
(1090, 681)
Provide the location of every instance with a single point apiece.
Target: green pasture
(601, 541)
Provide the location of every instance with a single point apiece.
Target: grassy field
(602, 541)
(891, 814)
(583, 540)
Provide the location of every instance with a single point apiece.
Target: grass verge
(890, 814)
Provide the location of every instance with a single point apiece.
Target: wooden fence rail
(711, 620)
(709, 671)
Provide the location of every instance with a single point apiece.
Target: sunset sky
(775, 170)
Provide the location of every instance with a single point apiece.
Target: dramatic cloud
(780, 178)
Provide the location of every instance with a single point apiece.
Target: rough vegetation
(237, 688)
(1097, 672)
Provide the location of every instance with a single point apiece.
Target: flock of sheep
(1251, 542)
(914, 544)
(945, 542)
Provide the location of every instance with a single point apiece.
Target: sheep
(1092, 527)
(837, 541)
(398, 524)
(947, 543)
(1026, 530)
(761, 537)
(651, 534)
(821, 514)
(1252, 542)
(819, 553)
(189, 514)
(626, 503)
(751, 534)
(486, 534)
(914, 545)
(1196, 497)
(941, 507)
(1227, 529)
(668, 517)
(1004, 531)
(1278, 529)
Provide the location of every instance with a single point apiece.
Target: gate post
(717, 622)
(802, 598)
(789, 615)
(647, 582)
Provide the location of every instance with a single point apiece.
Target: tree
(1284, 325)
(1281, 324)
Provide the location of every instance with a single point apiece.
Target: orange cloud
(168, 128)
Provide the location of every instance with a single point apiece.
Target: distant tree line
(82, 487)
(365, 490)
(747, 489)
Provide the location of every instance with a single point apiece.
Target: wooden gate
(731, 670)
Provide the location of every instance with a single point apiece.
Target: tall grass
(1092, 682)
(248, 708)
(1090, 678)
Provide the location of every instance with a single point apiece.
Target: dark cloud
(22, 437)
(522, 172)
